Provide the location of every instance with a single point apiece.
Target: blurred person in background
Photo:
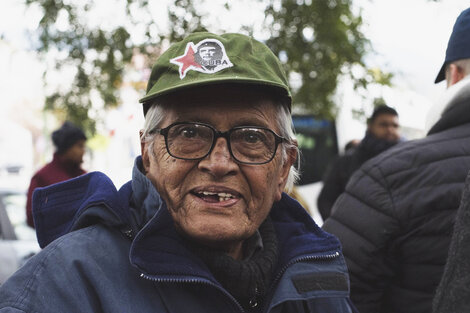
(383, 132)
(204, 224)
(69, 142)
(395, 218)
(351, 145)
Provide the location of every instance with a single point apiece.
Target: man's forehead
(219, 101)
(386, 116)
(223, 117)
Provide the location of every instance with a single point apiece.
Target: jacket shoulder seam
(417, 144)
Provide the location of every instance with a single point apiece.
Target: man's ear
(456, 74)
(144, 152)
(291, 158)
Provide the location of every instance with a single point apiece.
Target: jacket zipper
(302, 259)
(324, 257)
(254, 304)
(192, 281)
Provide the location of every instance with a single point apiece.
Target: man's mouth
(213, 197)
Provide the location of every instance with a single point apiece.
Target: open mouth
(214, 197)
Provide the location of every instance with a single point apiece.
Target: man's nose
(219, 162)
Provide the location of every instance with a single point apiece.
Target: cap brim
(213, 81)
(441, 75)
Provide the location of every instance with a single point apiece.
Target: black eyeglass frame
(217, 134)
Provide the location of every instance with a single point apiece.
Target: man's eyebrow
(389, 123)
(252, 122)
(242, 122)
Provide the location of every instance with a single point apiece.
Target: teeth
(225, 196)
(222, 195)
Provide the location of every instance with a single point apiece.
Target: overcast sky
(411, 38)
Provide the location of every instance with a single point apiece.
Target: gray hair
(156, 113)
(463, 64)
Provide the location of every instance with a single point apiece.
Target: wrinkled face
(75, 153)
(217, 201)
(385, 126)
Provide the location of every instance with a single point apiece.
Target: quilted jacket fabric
(396, 217)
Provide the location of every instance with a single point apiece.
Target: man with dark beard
(382, 133)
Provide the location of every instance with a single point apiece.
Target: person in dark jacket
(382, 133)
(452, 294)
(204, 224)
(396, 216)
(69, 141)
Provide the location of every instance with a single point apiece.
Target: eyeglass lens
(248, 144)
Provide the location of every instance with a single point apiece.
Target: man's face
(385, 126)
(75, 153)
(207, 53)
(216, 219)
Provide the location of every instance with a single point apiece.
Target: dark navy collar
(159, 250)
(59, 208)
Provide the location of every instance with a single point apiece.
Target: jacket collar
(451, 109)
(63, 207)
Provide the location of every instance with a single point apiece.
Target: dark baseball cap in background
(459, 43)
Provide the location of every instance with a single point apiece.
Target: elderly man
(396, 216)
(204, 225)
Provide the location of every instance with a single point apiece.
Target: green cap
(205, 58)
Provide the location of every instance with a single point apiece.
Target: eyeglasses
(195, 141)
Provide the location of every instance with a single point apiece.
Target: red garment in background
(56, 171)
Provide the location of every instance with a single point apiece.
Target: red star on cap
(186, 61)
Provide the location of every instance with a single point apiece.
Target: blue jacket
(118, 251)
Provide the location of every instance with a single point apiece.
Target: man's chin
(216, 236)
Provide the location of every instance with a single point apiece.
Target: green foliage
(184, 23)
(95, 56)
(378, 102)
(317, 40)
